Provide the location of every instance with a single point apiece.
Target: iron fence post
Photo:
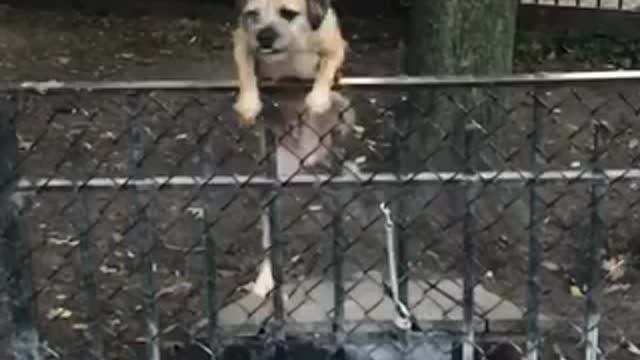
(468, 127)
(599, 190)
(143, 238)
(535, 216)
(15, 262)
(87, 261)
(210, 255)
(338, 272)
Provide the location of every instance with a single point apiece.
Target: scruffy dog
(300, 39)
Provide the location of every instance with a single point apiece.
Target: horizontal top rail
(541, 78)
(348, 179)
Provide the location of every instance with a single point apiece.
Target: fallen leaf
(196, 212)
(633, 348)
(59, 313)
(64, 60)
(105, 269)
(226, 273)
(23, 144)
(80, 327)
(551, 266)
(575, 291)
(178, 288)
(63, 242)
(617, 287)
(117, 237)
(615, 268)
(108, 136)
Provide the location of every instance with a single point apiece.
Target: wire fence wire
(137, 216)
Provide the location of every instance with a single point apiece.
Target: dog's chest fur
(303, 65)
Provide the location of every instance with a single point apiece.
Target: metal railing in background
(133, 213)
(600, 4)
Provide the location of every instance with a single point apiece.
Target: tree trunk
(462, 37)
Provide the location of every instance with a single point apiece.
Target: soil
(82, 135)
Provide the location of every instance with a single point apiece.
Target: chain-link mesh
(142, 216)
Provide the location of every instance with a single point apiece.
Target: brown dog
(301, 39)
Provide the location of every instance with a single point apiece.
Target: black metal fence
(459, 217)
(600, 4)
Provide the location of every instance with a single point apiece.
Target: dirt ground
(85, 134)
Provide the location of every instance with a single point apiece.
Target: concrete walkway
(310, 303)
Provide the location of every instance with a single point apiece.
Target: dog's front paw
(318, 101)
(248, 106)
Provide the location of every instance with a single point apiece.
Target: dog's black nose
(266, 37)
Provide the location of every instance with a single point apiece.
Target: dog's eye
(251, 15)
(288, 14)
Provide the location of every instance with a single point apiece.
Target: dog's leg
(345, 113)
(314, 140)
(248, 104)
(332, 54)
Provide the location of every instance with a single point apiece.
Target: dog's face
(278, 27)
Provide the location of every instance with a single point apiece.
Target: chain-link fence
(456, 217)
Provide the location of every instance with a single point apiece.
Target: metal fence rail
(138, 221)
(600, 4)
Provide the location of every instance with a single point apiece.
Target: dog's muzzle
(266, 40)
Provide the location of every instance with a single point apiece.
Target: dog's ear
(316, 11)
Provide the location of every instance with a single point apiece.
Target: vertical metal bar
(143, 241)
(402, 122)
(338, 271)
(399, 206)
(88, 277)
(15, 258)
(17, 264)
(468, 347)
(533, 301)
(596, 243)
(276, 249)
(210, 257)
(210, 265)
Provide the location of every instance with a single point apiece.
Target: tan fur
(301, 52)
(307, 54)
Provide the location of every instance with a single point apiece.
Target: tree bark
(461, 37)
(455, 37)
